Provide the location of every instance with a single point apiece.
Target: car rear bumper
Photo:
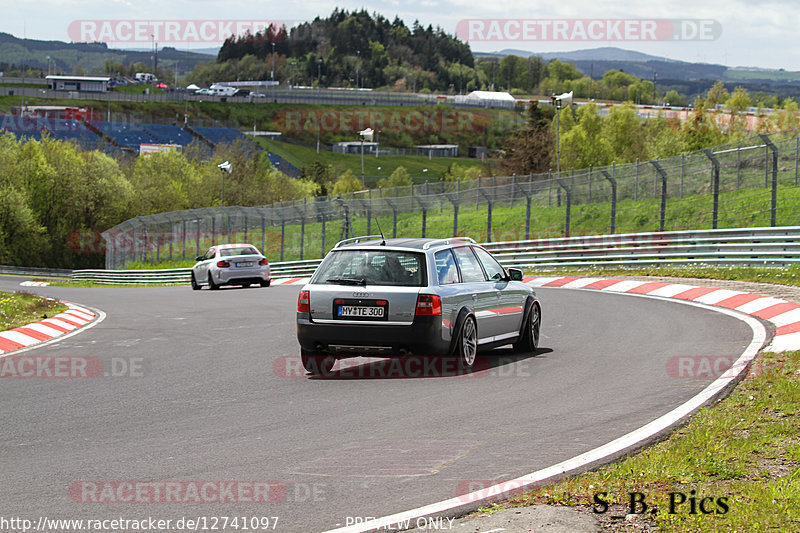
(422, 337)
(241, 276)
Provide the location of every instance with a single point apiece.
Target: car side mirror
(199, 258)
(515, 274)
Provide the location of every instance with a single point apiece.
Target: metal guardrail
(36, 272)
(133, 277)
(778, 246)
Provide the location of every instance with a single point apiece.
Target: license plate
(245, 264)
(360, 311)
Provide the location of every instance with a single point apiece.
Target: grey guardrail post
(613, 199)
(490, 203)
(714, 187)
(663, 175)
(774, 198)
(569, 205)
(424, 213)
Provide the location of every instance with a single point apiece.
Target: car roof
(407, 243)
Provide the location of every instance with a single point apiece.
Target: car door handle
(474, 296)
(499, 294)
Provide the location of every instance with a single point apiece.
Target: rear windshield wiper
(347, 281)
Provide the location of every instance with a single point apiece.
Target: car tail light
(223, 264)
(304, 302)
(428, 305)
(264, 262)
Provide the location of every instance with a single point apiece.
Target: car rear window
(372, 267)
(238, 250)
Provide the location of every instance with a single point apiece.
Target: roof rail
(357, 239)
(447, 241)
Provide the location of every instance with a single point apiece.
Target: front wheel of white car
(195, 286)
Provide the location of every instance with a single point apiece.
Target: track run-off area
(198, 408)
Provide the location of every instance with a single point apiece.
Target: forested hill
(360, 49)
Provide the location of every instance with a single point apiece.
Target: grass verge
(746, 449)
(21, 308)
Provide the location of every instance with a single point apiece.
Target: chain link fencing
(753, 182)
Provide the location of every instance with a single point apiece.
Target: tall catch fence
(753, 182)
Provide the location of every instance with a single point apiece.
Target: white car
(230, 264)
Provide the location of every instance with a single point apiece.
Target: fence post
(283, 233)
(663, 194)
(569, 205)
(454, 201)
(424, 213)
(322, 246)
(739, 166)
(490, 202)
(715, 186)
(368, 207)
(513, 182)
(636, 190)
(683, 167)
(774, 197)
(766, 165)
(394, 217)
(613, 199)
(302, 230)
(796, 158)
(590, 183)
(263, 233)
(528, 198)
(655, 181)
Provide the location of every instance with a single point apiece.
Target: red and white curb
(31, 334)
(785, 316)
(35, 283)
(290, 281)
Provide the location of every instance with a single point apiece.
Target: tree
(717, 94)
(347, 182)
(738, 102)
(399, 178)
(529, 150)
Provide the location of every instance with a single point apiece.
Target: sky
(729, 32)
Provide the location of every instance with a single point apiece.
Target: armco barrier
(775, 247)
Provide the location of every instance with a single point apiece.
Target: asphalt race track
(207, 389)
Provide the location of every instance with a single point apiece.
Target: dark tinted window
(470, 267)
(373, 267)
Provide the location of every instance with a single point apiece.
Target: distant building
(354, 147)
(94, 84)
(487, 99)
(439, 150)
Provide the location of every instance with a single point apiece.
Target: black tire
(316, 363)
(195, 286)
(265, 283)
(211, 285)
(467, 347)
(529, 340)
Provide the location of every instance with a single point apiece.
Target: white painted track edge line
(610, 449)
